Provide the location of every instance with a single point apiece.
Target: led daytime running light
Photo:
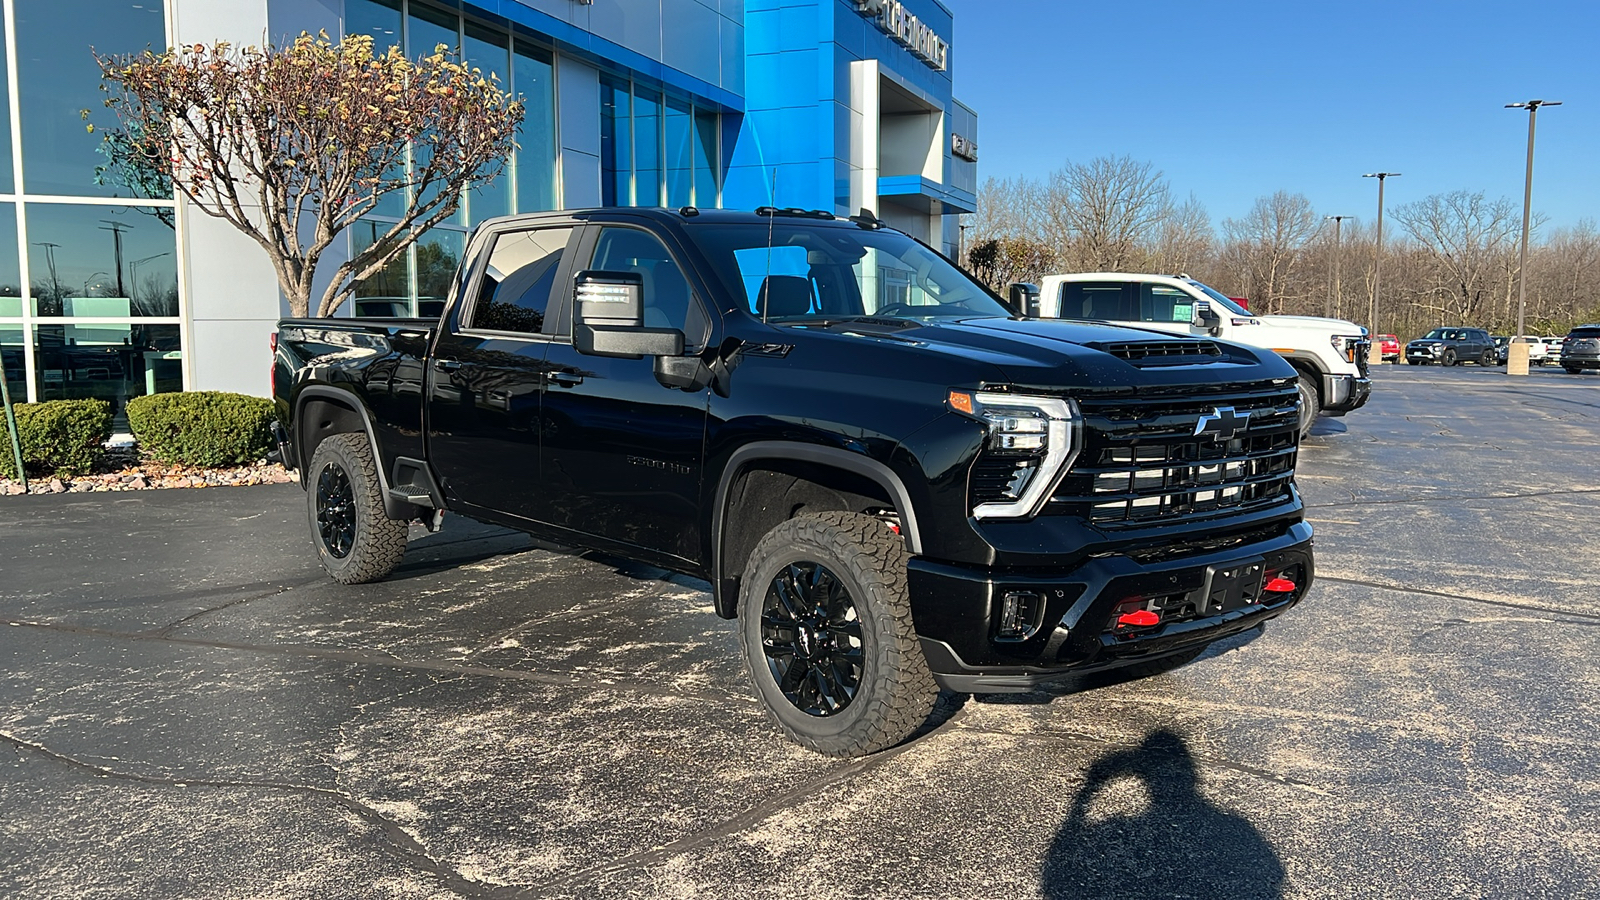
(1019, 423)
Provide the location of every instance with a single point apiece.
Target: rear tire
(825, 626)
(1487, 359)
(1310, 404)
(356, 541)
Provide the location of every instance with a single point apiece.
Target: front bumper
(958, 611)
(1344, 393)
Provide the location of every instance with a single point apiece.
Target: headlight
(1032, 441)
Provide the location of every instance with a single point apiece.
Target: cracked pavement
(190, 708)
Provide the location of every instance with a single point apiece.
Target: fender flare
(854, 463)
(348, 399)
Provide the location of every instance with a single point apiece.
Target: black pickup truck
(893, 482)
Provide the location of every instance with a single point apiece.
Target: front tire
(1310, 404)
(825, 626)
(1449, 357)
(356, 541)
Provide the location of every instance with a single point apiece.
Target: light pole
(1375, 353)
(1332, 306)
(1517, 354)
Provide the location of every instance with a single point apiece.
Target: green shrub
(201, 428)
(59, 437)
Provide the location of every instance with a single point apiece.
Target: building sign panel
(893, 19)
(963, 148)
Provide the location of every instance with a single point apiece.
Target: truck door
(488, 373)
(622, 453)
(1166, 308)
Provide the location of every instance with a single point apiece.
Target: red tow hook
(1139, 618)
(1279, 586)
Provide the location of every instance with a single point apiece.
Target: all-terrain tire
(894, 692)
(1310, 404)
(356, 541)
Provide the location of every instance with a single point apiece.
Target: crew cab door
(622, 452)
(487, 373)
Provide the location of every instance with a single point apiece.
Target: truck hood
(1058, 354)
(1316, 323)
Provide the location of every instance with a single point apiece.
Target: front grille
(1362, 348)
(1142, 350)
(1142, 463)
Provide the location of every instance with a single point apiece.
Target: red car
(1389, 345)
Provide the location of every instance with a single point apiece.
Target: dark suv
(1451, 346)
(1581, 350)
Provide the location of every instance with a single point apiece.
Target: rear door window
(516, 287)
(1108, 300)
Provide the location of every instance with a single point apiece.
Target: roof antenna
(766, 282)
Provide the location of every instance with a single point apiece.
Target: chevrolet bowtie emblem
(1221, 424)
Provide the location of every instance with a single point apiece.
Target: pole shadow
(1177, 844)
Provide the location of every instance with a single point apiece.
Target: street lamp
(1328, 306)
(1375, 353)
(1517, 354)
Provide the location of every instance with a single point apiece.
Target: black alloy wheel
(1487, 359)
(811, 635)
(336, 511)
(1449, 357)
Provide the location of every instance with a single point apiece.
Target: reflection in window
(386, 293)
(646, 148)
(7, 184)
(432, 260)
(518, 281)
(10, 279)
(57, 78)
(655, 149)
(101, 261)
(379, 18)
(679, 141)
(437, 253)
(106, 362)
(706, 159)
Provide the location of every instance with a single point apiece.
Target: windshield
(1226, 302)
(811, 273)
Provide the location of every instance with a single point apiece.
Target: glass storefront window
(646, 148)
(106, 362)
(379, 18)
(433, 260)
(11, 355)
(533, 79)
(707, 158)
(679, 141)
(101, 261)
(10, 277)
(7, 183)
(388, 292)
(616, 143)
(489, 52)
(438, 253)
(57, 78)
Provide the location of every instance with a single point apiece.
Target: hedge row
(201, 428)
(59, 437)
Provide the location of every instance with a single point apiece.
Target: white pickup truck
(1330, 354)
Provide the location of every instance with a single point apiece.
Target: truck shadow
(1139, 827)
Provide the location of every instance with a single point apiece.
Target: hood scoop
(1161, 353)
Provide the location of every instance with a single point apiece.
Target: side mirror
(1204, 316)
(608, 318)
(1023, 298)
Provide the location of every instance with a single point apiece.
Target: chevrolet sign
(906, 29)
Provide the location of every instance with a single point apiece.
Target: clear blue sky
(1233, 100)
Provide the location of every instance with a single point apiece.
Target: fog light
(1020, 612)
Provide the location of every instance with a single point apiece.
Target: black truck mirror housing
(608, 318)
(1205, 316)
(1023, 298)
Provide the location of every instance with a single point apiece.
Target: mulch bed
(122, 470)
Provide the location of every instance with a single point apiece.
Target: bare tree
(1267, 245)
(1111, 208)
(1183, 240)
(1466, 237)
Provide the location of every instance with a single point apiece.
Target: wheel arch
(322, 412)
(767, 482)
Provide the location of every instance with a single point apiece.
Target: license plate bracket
(1231, 586)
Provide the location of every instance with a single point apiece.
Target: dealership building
(835, 105)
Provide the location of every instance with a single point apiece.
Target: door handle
(566, 379)
(447, 365)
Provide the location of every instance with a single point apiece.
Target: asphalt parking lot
(189, 708)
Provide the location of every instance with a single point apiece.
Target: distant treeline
(1449, 259)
